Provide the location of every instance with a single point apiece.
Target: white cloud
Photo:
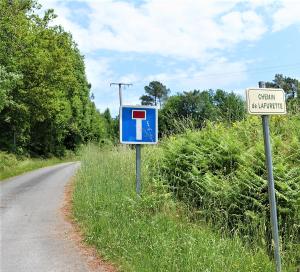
(288, 14)
(239, 26)
(178, 28)
(219, 73)
(98, 71)
(129, 78)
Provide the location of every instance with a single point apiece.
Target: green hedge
(220, 173)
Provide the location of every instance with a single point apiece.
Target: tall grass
(219, 172)
(152, 232)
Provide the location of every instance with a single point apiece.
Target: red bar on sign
(138, 114)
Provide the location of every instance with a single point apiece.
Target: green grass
(11, 166)
(151, 233)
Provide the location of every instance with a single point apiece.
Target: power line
(202, 74)
(262, 69)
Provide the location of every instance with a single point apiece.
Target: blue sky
(185, 44)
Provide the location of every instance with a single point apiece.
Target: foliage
(198, 107)
(156, 93)
(46, 102)
(7, 81)
(112, 125)
(220, 172)
(152, 232)
(291, 86)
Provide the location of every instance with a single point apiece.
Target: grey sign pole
(271, 188)
(138, 169)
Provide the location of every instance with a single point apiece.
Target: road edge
(90, 253)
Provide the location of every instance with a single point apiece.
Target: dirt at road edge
(94, 261)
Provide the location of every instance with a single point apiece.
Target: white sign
(265, 101)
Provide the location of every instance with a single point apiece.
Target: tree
(147, 100)
(112, 127)
(156, 93)
(45, 97)
(107, 116)
(7, 82)
(230, 106)
(291, 87)
(192, 109)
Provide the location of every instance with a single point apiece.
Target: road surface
(33, 230)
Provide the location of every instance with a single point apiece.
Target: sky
(185, 44)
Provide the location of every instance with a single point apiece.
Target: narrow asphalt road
(32, 226)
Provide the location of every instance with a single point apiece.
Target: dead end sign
(138, 125)
(265, 101)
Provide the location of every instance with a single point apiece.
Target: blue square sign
(138, 125)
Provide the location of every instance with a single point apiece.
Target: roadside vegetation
(11, 165)
(154, 232)
(220, 174)
(204, 205)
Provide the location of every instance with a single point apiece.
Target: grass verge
(11, 166)
(151, 233)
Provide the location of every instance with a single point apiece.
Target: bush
(220, 173)
(6, 161)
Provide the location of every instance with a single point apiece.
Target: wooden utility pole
(120, 90)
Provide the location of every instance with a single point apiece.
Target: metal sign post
(138, 125)
(271, 187)
(137, 146)
(271, 191)
(138, 169)
(265, 102)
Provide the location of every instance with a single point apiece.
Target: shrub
(6, 161)
(220, 172)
